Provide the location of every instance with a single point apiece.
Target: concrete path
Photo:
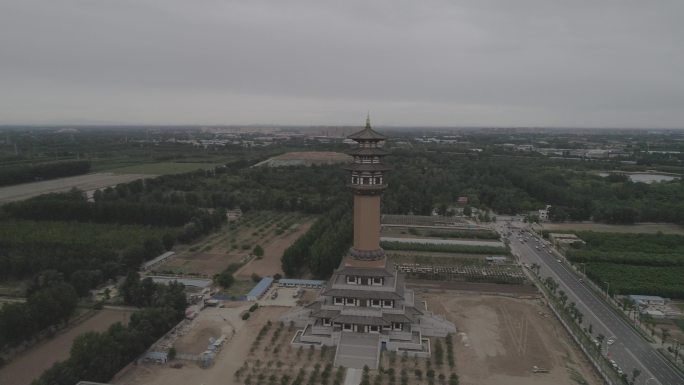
(353, 377)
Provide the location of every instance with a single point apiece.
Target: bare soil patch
(269, 264)
(274, 232)
(29, 365)
(501, 339)
(210, 324)
(236, 351)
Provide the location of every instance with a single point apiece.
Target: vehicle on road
(559, 261)
(610, 341)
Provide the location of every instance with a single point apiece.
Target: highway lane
(630, 350)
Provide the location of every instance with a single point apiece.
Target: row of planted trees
(575, 318)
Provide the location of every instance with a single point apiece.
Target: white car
(610, 341)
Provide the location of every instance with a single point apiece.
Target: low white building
(647, 300)
(544, 213)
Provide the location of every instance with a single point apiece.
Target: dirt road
(29, 365)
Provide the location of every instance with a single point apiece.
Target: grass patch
(239, 288)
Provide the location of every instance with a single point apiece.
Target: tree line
(28, 247)
(423, 180)
(54, 208)
(98, 356)
(50, 302)
(23, 173)
(321, 248)
(633, 263)
(312, 189)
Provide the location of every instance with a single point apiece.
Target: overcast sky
(594, 63)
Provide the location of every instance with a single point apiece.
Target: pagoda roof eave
(367, 134)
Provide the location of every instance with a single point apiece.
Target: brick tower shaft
(366, 222)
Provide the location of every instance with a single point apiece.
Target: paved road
(630, 350)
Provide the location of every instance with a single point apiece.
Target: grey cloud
(478, 62)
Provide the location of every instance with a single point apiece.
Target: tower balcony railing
(362, 311)
(367, 187)
(343, 308)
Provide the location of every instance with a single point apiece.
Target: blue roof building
(260, 288)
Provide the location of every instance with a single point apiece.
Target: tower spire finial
(368, 120)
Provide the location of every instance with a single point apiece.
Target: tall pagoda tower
(367, 181)
(366, 307)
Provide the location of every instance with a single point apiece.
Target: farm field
(234, 244)
(634, 263)
(444, 248)
(30, 364)
(86, 182)
(634, 279)
(269, 264)
(411, 232)
(647, 228)
(500, 339)
(409, 256)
